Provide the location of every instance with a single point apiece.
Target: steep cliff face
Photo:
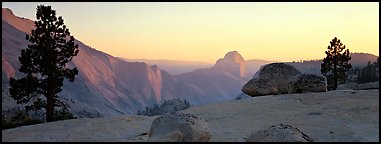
(234, 63)
(155, 80)
(104, 84)
(13, 41)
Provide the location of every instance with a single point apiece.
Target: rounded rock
(279, 133)
(179, 127)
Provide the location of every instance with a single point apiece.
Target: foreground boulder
(308, 83)
(279, 133)
(271, 79)
(179, 127)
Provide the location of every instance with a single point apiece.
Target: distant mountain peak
(232, 62)
(233, 56)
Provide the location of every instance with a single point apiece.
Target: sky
(206, 31)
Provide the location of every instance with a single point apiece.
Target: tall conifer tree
(44, 64)
(335, 64)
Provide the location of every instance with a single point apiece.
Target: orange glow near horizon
(205, 32)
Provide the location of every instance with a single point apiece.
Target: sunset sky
(206, 31)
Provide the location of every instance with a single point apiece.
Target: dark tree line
(368, 73)
(168, 106)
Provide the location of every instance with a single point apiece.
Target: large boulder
(279, 133)
(271, 79)
(179, 127)
(259, 87)
(308, 83)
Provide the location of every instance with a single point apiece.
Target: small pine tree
(335, 64)
(44, 64)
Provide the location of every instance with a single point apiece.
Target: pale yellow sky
(206, 31)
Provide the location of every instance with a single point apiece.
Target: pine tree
(44, 64)
(335, 64)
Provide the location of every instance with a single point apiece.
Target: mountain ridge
(107, 84)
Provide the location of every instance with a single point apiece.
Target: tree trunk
(335, 62)
(335, 77)
(50, 101)
(49, 107)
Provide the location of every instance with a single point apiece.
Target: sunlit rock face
(104, 84)
(234, 63)
(22, 24)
